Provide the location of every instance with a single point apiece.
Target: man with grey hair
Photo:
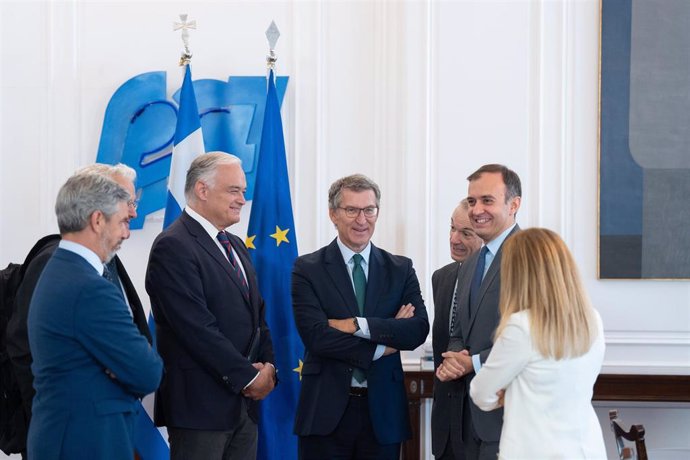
(210, 325)
(355, 306)
(446, 434)
(17, 338)
(90, 363)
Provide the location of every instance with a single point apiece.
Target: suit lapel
(248, 268)
(133, 299)
(492, 276)
(464, 281)
(204, 240)
(447, 286)
(377, 279)
(336, 269)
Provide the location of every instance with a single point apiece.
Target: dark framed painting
(644, 140)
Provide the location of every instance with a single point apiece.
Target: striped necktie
(236, 269)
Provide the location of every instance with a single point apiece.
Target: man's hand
(501, 397)
(406, 311)
(389, 351)
(456, 364)
(346, 325)
(444, 374)
(263, 384)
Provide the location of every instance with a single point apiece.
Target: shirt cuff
(380, 350)
(363, 331)
(476, 363)
(252, 380)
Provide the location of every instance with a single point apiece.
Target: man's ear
(97, 221)
(515, 205)
(200, 190)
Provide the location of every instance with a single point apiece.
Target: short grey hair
(82, 195)
(356, 183)
(464, 205)
(203, 169)
(119, 169)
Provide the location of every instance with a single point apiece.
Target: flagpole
(188, 140)
(272, 244)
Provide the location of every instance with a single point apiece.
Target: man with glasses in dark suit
(355, 307)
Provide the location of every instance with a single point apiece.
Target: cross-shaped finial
(185, 25)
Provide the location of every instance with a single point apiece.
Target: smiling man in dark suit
(355, 307)
(494, 196)
(210, 326)
(446, 435)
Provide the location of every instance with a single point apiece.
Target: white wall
(416, 94)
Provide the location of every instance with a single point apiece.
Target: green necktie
(360, 281)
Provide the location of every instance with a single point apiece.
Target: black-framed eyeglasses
(352, 212)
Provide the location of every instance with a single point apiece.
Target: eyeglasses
(134, 204)
(369, 212)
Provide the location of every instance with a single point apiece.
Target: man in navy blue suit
(90, 363)
(355, 307)
(17, 335)
(210, 326)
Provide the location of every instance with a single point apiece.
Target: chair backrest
(635, 434)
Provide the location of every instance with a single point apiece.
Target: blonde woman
(548, 351)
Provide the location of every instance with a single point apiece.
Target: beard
(109, 250)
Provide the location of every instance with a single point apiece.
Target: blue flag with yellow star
(273, 247)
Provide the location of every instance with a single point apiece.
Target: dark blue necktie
(236, 269)
(478, 275)
(110, 273)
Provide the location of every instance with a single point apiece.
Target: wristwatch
(357, 328)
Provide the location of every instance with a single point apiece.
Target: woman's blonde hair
(538, 274)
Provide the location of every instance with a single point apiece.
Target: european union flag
(273, 246)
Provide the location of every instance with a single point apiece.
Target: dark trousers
(238, 443)
(353, 438)
(450, 454)
(475, 448)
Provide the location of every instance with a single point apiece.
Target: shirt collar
(347, 253)
(205, 224)
(494, 245)
(81, 250)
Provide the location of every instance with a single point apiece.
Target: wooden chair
(635, 434)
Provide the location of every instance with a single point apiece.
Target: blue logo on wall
(139, 125)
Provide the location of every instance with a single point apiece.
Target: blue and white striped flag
(187, 145)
